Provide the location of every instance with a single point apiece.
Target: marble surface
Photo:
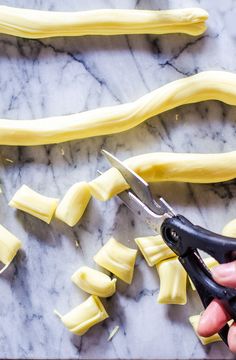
(59, 76)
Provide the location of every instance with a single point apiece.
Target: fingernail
(224, 271)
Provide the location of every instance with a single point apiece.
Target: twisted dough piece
(94, 282)
(42, 24)
(208, 85)
(87, 314)
(156, 167)
(154, 249)
(118, 259)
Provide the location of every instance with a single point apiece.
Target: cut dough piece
(230, 229)
(103, 187)
(173, 279)
(154, 249)
(194, 321)
(73, 204)
(118, 259)
(156, 167)
(35, 24)
(84, 316)
(33, 203)
(210, 263)
(9, 245)
(94, 282)
(208, 85)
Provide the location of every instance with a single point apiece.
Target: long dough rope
(42, 24)
(209, 85)
(153, 167)
(156, 167)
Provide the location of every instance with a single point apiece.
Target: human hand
(215, 316)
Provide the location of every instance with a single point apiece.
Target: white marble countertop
(59, 76)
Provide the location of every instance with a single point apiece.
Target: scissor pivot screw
(174, 235)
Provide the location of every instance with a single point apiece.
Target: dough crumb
(113, 332)
(9, 160)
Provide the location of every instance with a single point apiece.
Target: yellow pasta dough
(210, 262)
(230, 229)
(94, 282)
(9, 245)
(109, 183)
(41, 24)
(118, 259)
(156, 167)
(194, 321)
(208, 85)
(154, 249)
(84, 316)
(173, 279)
(73, 204)
(33, 203)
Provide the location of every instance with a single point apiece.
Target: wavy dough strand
(156, 167)
(208, 85)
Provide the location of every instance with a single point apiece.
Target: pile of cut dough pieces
(114, 257)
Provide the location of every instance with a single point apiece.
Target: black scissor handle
(208, 289)
(181, 235)
(184, 239)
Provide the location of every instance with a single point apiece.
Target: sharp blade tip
(105, 152)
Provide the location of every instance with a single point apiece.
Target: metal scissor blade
(138, 185)
(153, 220)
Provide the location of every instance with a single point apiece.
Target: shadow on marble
(15, 267)
(93, 338)
(176, 313)
(187, 194)
(74, 47)
(41, 231)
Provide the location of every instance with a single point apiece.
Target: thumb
(225, 274)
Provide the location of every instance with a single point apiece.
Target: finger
(232, 338)
(225, 274)
(212, 319)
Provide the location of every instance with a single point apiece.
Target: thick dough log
(208, 85)
(156, 167)
(35, 24)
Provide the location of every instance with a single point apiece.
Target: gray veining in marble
(59, 76)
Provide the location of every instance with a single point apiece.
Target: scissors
(182, 237)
